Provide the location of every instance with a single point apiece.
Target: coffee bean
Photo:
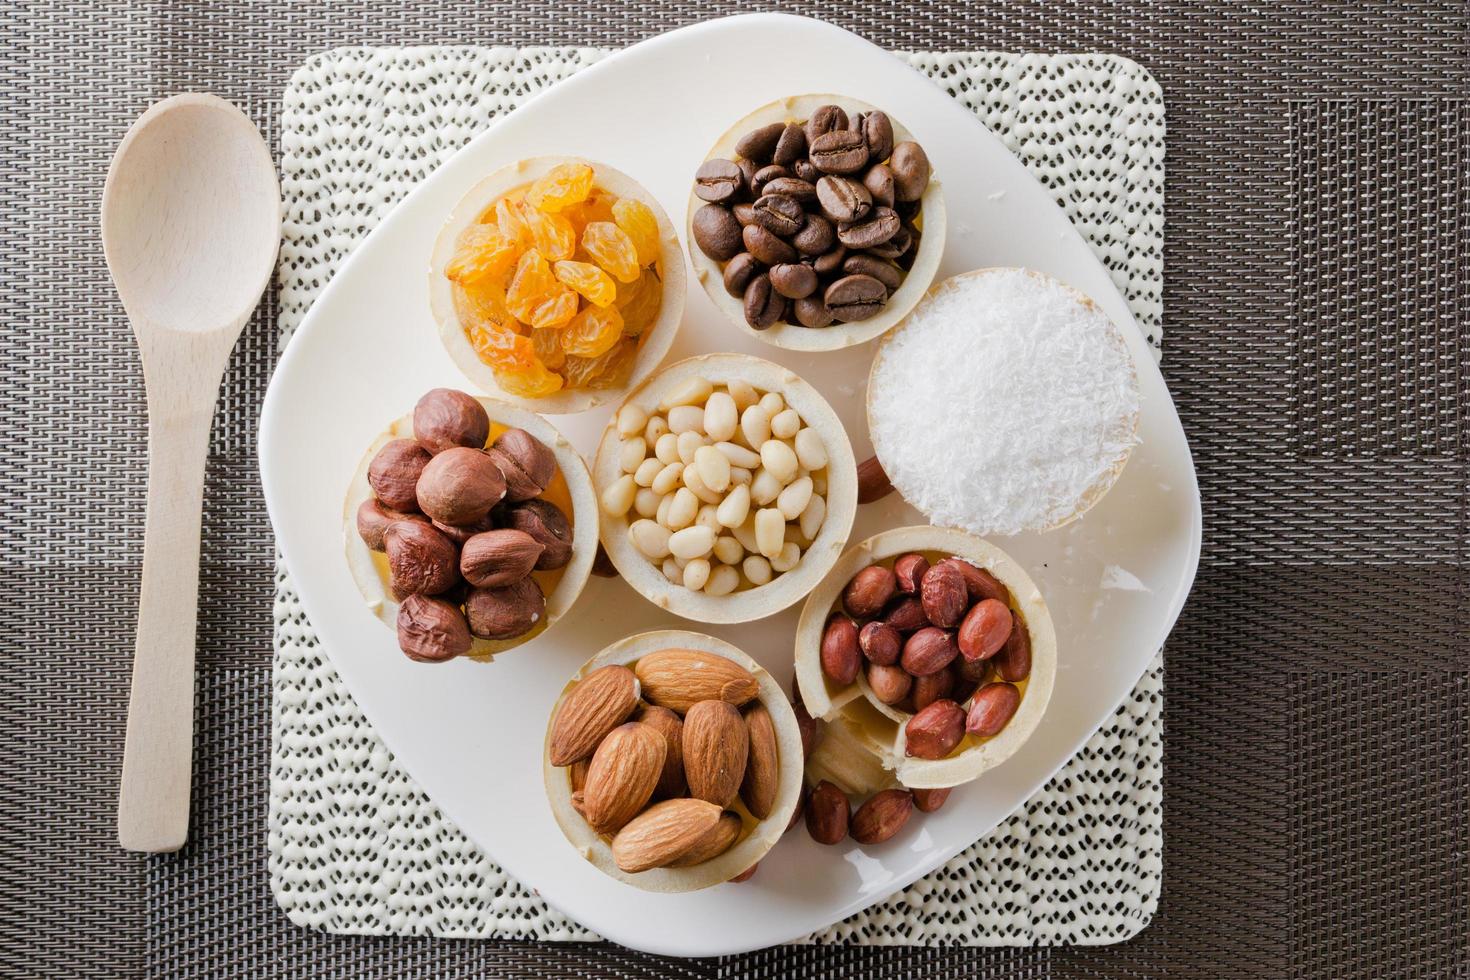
(759, 144)
(765, 246)
(854, 297)
(879, 182)
(779, 214)
(830, 263)
(906, 260)
(907, 210)
(864, 264)
(718, 181)
(793, 280)
(910, 166)
(716, 232)
(763, 305)
(823, 121)
(816, 237)
(843, 199)
(744, 213)
(876, 228)
(748, 170)
(791, 146)
(793, 187)
(877, 130)
(812, 312)
(841, 151)
(738, 273)
(764, 176)
(804, 170)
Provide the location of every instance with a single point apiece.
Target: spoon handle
(183, 378)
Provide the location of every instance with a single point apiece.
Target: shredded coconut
(1003, 404)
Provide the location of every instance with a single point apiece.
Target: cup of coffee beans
(816, 222)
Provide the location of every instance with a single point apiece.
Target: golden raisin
(482, 254)
(547, 345)
(639, 302)
(555, 309)
(531, 284)
(588, 280)
(597, 207)
(607, 370)
(508, 220)
(532, 382)
(564, 185)
(483, 305)
(611, 248)
(550, 234)
(638, 223)
(502, 349)
(592, 331)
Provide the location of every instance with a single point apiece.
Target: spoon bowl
(191, 218)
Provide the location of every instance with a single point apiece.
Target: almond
(599, 702)
(577, 772)
(668, 724)
(624, 770)
(882, 816)
(762, 767)
(714, 843)
(716, 745)
(678, 679)
(663, 833)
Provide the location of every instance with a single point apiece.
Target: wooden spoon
(191, 220)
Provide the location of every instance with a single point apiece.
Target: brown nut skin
(930, 688)
(459, 486)
(928, 651)
(432, 631)
(810, 728)
(373, 518)
(445, 418)
(934, 732)
(460, 534)
(882, 816)
(602, 565)
(992, 709)
(394, 474)
(971, 672)
(1013, 663)
(421, 561)
(944, 596)
(906, 614)
(881, 643)
(506, 612)
(978, 582)
(526, 463)
(889, 684)
(873, 482)
(910, 570)
(827, 814)
(498, 558)
(929, 800)
(840, 654)
(985, 630)
(545, 522)
(869, 591)
(671, 726)
(745, 875)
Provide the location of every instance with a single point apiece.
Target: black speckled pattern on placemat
(1316, 785)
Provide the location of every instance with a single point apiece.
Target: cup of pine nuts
(727, 487)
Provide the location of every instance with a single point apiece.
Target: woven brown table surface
(1317, 306)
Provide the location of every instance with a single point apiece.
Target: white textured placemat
(356, 847)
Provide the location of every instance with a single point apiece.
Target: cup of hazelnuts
(470, 527)
(934, 648)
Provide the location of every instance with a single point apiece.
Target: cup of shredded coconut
(1005, 402)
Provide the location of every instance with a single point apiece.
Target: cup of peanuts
(727, 486)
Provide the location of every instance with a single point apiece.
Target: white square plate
(471, 734)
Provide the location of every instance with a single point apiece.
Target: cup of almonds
(470, 527)
(816, 223)
(728, 488)
(933, 653)
(673, 761)
(557, 283)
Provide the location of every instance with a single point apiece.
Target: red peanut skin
(840, 654)
(992, 709)
(827, 814)
(928, 651)
(985, 630)
(1013, 663)
(934, 732)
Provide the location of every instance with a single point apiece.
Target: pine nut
(764, 487)
(682, 510)
(706, 518)
(779, 460)
(631, 420)
(689, 443)
(713, 467)
(722, 581)
(646, 471)
(728, 550)
(693, 481)
(755, 425)
(770, 531)
(785, 424)
(667, 478)
(810, 449)
(721, 417)
(741, 475)
(691, 391)
(743, 394)
(794, 498)
(686, 418)
(757, 569)
(673, 572)
(646, 502)
(745, 534)
(631, 454)
(773, 403)
(787, 557)
(696, 573)
(650, 538)
(618, 497)
(739, 455)
(657, 426)
(667, 448)
(734, 508)
(692, 542)
(664, 503)
(812, 518)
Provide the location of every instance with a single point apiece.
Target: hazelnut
(432, 630)
(505, 612)
(395, 471)
(459, 534)
(869, 591)
(944, 595)
(934, 731)
(545, 522)
(459, 486)
(528, 466)
(445, 418)
(909, 569)
(373, 518)
(496, 558)
(420, 559)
